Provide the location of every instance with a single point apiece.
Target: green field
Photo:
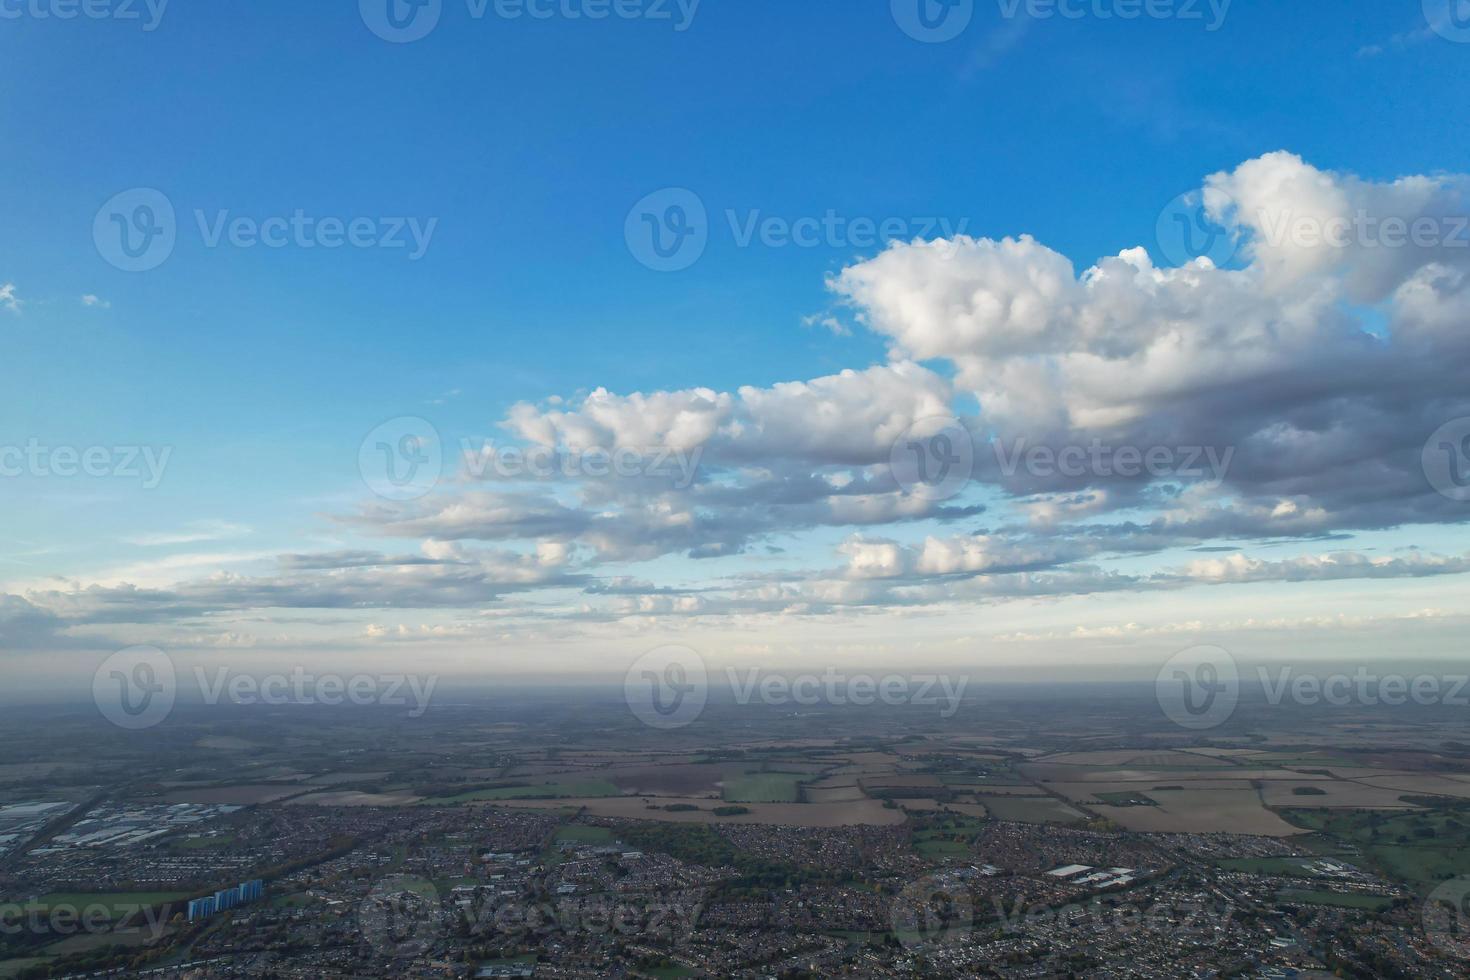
(1421, 848)
(948, 825)
(117, 903)
(540, 791)
(947, 837)
(763, 787)
(937, 849)
(1337, 899)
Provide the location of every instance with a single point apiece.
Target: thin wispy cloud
(193, 533)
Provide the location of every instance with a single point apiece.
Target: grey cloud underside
(707, 520)
(44, 620)
(340, 581)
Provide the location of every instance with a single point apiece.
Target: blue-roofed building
(226, 898)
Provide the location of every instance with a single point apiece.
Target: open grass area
(948, 827)
(938, 849)
(1372, 903)
(117, 903)
(763, 787)
(947, 837)
(1030, 809)
(532, 791)
(1420, 848)
(581, 834)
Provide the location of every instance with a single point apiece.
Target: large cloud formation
(1309, 371)
(1277, 360)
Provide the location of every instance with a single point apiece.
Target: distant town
(1021, 839)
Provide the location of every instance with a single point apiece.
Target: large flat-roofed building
(226, 898)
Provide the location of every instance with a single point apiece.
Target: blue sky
(527, 142)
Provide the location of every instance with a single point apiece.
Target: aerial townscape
(1023, 837)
